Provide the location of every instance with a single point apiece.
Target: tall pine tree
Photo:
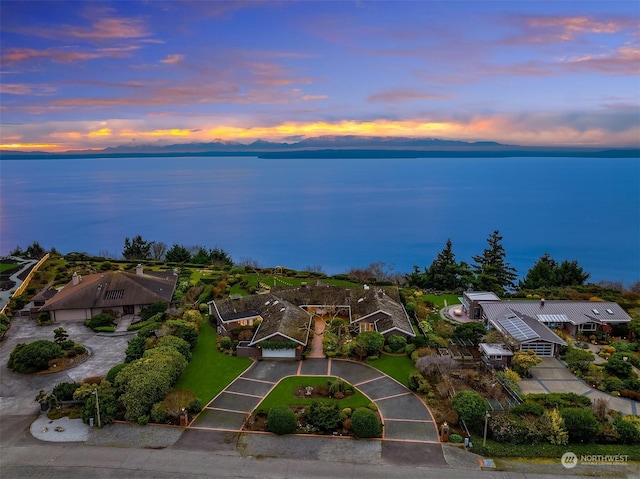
(493, 273)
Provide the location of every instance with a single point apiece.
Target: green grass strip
(282, 394)
(7, 266)
(210, 371)
(398, 367)
(495, 449)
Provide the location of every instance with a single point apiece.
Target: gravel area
(132, 435)
(59, 430)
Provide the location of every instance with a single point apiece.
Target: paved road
(25, 264)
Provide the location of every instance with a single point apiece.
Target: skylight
(609, 311)
(595, 311)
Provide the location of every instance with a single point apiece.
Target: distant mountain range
(334, 147)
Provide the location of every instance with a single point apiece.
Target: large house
(121, 292)
(285, 315)
(530, 324)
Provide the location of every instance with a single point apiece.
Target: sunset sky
(78, 75)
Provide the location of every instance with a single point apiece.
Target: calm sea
(334, 213)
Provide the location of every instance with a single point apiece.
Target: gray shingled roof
(578, 312)
(114, 289)
(279, 317)
(294, 322)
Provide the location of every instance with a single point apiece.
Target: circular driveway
(405, 416)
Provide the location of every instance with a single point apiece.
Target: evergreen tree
(542, 273)
(546, 272)
(137, 248)
(444, 272)
(570, 274)
(178, 254)
(493, 273)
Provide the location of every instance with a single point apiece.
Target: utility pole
(95, 391)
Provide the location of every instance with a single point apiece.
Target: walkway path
(552, 376)
(404, 415)
(316, 342)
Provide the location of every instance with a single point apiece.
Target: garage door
(279, 353)
(542, 349)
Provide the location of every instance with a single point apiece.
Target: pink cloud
(172, 59)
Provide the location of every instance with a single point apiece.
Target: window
(366, 327)
(588, 327)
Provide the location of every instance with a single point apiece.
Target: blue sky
(78, 75)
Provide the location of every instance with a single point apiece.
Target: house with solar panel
(531, 323)
(285, 315)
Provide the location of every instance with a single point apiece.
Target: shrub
(149, 329)
(324, 415)
(397, 343)
(152, 310)
(143, 420)
(105, 329)
(178, 344)
(581, 424)
(410, 348)
(366, 423)
(371, 341)
(158, 414)
(627, 432)
(456, 438)
(34, 357)
(471, 407)
(613, 383)
(281, 420)
(528, 408)
(579, 359)
(64, 391)
(113, 372)
(513, 429)
(79, 348)
(617, 366)
(418, 383)
(108, 409)
(135, 348)
(100, 320)
(226, 343)
(552, 427)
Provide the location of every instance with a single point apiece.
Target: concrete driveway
(18, 391)
(552, 376)
(405, 416)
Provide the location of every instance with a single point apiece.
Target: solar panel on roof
(553, 318)
(518, 329)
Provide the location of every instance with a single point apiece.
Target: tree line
(137, 248)
(491, 272)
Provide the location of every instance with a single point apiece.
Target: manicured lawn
(282, 394)
(7, 266)
(439, 299)
(398, 367)
(210, 371)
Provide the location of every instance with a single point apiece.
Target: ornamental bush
(366, 423)
(64, 391)
(418, 383)
(226, 343)
(397, 343)
(627, 431)
(471, 407)
(100, 320)
(581, 424)
(324, 415)
(281, 420)
(34, 357)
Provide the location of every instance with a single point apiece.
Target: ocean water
(334, 213)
